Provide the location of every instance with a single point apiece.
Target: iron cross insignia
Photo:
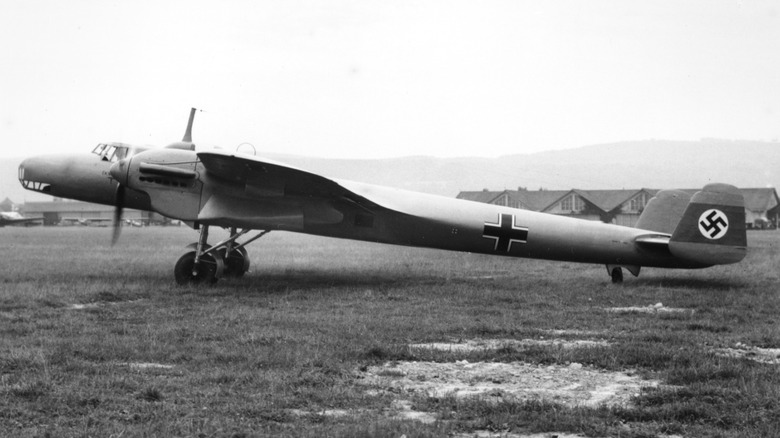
(505, 232)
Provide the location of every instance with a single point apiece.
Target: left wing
(280, 196)
(267, 178)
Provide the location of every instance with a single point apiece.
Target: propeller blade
(120, 205)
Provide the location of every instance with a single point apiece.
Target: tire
(617, 275)
(208, 270)
(237, 264)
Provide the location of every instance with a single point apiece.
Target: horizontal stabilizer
(653, 240)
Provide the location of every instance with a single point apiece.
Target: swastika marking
(505, 232)
(713, 224)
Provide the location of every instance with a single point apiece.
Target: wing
(281, 196)
(267, 178)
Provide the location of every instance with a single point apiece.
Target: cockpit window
(111, 152)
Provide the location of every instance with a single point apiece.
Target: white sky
(386, 78)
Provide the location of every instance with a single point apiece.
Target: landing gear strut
(199, 266)
(207, 264)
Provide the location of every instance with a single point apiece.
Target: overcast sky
(369, 79)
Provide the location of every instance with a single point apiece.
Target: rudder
(712, 229)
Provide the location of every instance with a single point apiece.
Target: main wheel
(237, 264)
(207, 271)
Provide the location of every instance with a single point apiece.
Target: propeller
(120, 205)
(119, 174)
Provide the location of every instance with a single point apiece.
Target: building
(761, 207)
(621, 207)
(61, 212)
(7, 206)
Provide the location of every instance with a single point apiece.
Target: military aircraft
(210, 188)
(14, 218)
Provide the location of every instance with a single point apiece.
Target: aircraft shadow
(317, 280)
(719, 284)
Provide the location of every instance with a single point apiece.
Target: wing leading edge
(267, 178)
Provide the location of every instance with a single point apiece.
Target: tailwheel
(617, 274)
(207, 271)
(237, 263)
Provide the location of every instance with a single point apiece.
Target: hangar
(8, 205)
(621, 207)
(61, 212)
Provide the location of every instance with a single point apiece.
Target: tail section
(664, 211)
(711, 231)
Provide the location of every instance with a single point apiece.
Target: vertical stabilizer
(664, 211)
(712, 229)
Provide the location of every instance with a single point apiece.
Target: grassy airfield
(99, 341)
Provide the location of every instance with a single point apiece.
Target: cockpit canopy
(113, 152)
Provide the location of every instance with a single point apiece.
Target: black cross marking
(505, 232)
(714, 224)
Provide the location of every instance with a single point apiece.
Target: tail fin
(712, 228)
(664, 211)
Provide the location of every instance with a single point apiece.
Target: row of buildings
(66, 212)
(621, 207)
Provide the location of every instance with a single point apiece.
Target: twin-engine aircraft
(236, 191)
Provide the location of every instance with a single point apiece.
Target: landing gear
(617, 274)
(207, 264)
(616, 271)
(236, 261)
(206, 271)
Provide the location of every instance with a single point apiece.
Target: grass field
(99, 341)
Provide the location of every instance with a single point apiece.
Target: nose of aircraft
(77, 176)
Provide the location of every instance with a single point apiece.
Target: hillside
(652, 164)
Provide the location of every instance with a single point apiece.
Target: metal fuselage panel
(458, 225)
(170, 194)
(415, 219)
(84, 177)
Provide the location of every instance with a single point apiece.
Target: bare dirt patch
(742, 351)
(83, 306)
(488, 434)
(495, 344)
(572, 385)
(141, 366)
(653, 308)
(571, 332)
(98, 304)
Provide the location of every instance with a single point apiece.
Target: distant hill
(651, 164)
(638, 164)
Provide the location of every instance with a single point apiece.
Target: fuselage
(395, 216)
